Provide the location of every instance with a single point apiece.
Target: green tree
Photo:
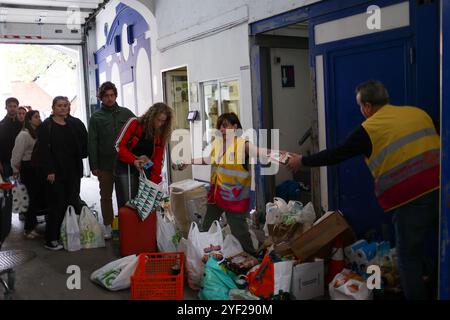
(32, 61)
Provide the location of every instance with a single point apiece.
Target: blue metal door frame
(444, 265)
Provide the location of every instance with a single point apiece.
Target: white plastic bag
(343, 287)
(196, 243)
(307, 215)
(282, 273)
(273, 216)
(70, 231)
(116, 275)
(91, 232)
(202, 240)
(231, 246)
(281, 204)
(165, 234)
(194, 264)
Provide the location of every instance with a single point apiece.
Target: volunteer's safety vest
(405, 154)
(230, 181)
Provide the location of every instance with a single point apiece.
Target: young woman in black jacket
(62, 143)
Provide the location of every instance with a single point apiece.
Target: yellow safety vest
(230, 181)
(405, 154)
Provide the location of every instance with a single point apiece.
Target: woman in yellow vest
(402, 151)
(230, 179)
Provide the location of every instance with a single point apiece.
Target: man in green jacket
(104, 126)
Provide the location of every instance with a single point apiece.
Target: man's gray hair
(373, 92)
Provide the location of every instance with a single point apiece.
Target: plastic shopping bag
(196, 243)
(348, 285)
(231, 246)
(203, 240)
(116, 275)
(217, 281)
(91, 233)
(270, 278)
(194, 264)
(165, 234)
(70, 231)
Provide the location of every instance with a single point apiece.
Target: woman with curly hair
(140, 142)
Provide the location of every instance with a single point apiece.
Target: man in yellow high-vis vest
(402, 151)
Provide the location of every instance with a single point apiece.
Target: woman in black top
(62, 146)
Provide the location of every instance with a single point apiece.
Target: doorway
(175, 83)
(288, 96)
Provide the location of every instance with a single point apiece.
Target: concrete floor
(45, 277)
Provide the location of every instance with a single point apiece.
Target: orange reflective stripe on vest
(405, 155)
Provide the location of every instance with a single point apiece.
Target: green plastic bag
(217, 282)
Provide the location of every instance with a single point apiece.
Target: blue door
(351, 182)
(444, 274)
(386, 56)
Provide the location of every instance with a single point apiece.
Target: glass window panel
(230, 98)
(211, 107)
(180, 102)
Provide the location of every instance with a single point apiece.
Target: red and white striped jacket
(127, 139)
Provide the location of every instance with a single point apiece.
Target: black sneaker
(53, 245)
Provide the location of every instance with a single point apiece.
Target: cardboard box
(317, 241)
(308, 280)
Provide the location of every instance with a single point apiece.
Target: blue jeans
(417, 229)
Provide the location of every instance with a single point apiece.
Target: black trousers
(30, 178)
(61, 194)
(126, 187)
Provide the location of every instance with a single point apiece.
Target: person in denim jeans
(415, 222)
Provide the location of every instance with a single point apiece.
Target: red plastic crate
(154, 277)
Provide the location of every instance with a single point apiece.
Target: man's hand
(295, 162)
(95, 172)
(51, 178)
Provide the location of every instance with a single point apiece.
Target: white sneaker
(53, 245)
(107, 234)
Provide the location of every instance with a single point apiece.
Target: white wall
(219, 56)
(172, 15)
(292, 107)
(209, 37)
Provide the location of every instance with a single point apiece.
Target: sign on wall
(287, 77)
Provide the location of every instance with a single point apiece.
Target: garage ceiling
(47, 11)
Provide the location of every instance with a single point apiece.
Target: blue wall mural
(114, 47)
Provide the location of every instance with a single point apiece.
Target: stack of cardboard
(309, 247)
